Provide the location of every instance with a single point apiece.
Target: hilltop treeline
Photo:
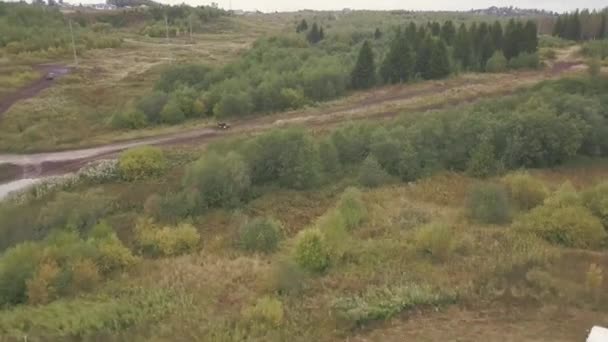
(424, 51)
(39, 28)
(290, 72)
(582, 25)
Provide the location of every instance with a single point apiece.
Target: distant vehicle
(223, 125)
(598, 334)
(50, 76)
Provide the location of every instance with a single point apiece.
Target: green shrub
(352, 142)
(86, 316)
(234, 104)
(133, 119)
(497, 63)
(382, 303)
(152, 105)
(112, 255)
(525, 61)
(371, 173)
(571, 226)
(172, 112)
(488, 203)
(594, 67)
(17, 265)
(596, 200)
(330, 161)
(166, 241)
(267, 310)
(565, 196)
(482, 162)
(260, 235)
(525, 191)
(311, 251)
(141, 163)
(333, 226)
(288, 277)
(436, 240)
(72, 210)
(289, 157)
(352, 208)
(220, 181)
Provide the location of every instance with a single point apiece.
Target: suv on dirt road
(50, 76)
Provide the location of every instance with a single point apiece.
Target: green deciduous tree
(439, 62)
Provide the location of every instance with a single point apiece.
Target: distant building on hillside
(103, 7)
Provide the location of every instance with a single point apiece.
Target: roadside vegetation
(334, 231)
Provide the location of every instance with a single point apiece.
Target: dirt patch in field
(34, 88)
(500, 324)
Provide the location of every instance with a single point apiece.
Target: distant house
(103, 7)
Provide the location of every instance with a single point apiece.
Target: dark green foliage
(364, 74)
(17, 265)
(398, 65)
(181, 75)
(448, 32)
(302, 26)
(371, 173)
(497, 35)
(525, 61)
(483, 161)
(315, 34)
(152, 105)
(288, 157)
(220, 181)
(330, 161)
(352, 142)
(463, 47)
(234, 104)
(172, 112)
(439, 63)
(423, 58)
(377, 34)
(498, 63)
(489, 203)
(260, 235)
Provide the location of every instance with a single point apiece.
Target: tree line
(582, 25)
(433, 51)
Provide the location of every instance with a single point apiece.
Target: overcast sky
(290, 5)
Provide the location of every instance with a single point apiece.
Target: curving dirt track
(382, 103)
(34, 88)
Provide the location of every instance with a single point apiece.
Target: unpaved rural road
(378, 104)
(34, 88)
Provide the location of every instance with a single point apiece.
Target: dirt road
(34, 88)
(380, 103)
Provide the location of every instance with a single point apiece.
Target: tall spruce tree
(411, 35)
(423, 58)
(439, 62)
(497, 35)
(486, 50)
(314, 35)
(399, 63)
(302, 27)
(448, 32)
(462, 47)
(511, 40)
(363, 75)
(530, 33)
(602, 34)
(377, 34)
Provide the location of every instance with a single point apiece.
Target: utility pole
(168, 43)
(73, 44)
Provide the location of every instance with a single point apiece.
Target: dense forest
(582, 25)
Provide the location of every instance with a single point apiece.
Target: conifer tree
(497, 35)
(603, 26)
(314, 35)
(399, 62)
(462, 47)
(486, 50)
(411, 35)
(321, 33)
(364, 74)
(377, 34)
(511, 40)
(530, 37)
(303, 26)
(448, 32)
(423, 58)
(439, 62)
